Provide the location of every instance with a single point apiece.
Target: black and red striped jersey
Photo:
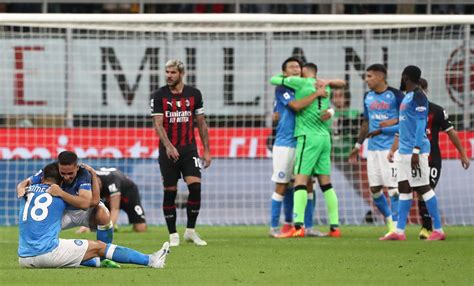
(178, 112)
(437, 121)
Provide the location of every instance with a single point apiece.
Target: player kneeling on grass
(39, 243)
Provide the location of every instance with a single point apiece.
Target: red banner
(46, 143)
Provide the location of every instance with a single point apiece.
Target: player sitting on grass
(39, 244)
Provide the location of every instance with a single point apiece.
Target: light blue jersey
(81, 182)
(286, 124)
(40, 221)
(413, 119)
(379, 107)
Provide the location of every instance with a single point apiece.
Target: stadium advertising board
(119, 143)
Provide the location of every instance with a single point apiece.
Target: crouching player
(41, 212)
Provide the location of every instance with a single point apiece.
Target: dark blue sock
(125, 255)
(309, 211)
(288, 205)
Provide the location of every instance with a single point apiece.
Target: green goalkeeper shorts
(313, 155)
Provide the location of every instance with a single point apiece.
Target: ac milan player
(437, 121)
(174, 108)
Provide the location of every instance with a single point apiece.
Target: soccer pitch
(245, 255)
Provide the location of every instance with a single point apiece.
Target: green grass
(242, 255)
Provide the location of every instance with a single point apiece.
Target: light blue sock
(381, 202)
(275, 209)
(394, 207)
(288, 205)
(432, 206)
(404, 206)
(105, 233)
(93, 262)
(125, 255)
(309, 211)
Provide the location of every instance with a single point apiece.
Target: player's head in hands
(68, 167)
(410, 78)
(51, 174)
(376, 77)
(174, 73)
(310, 70)
(291, 67)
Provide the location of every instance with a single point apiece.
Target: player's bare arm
(95, 186)
(364, 130)
(82, 200)
(21, 187)
(300, 104)
(114, 207)
(453, 136)
(393, 149)
(171, 151)
(336, 83)
(204, 134)
(388, 122)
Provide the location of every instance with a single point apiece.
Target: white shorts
(283, 164)
(73, 218)
(380, 171)
(418, 177)
(69, 253)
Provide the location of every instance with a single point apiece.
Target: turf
(245, 255)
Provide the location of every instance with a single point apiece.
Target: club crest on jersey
(78, 242)
(281, 175)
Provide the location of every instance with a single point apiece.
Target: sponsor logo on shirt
(379, 105)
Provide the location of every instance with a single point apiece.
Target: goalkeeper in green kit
(313, 149)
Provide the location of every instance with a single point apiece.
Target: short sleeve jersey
(39, 221)
(379, 107)
(286, 124)
(414, 108)
(81, 182)
(114, 182)
(437, 121)
(178, 111)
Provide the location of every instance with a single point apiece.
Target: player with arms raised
(174, 107)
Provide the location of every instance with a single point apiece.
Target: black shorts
(188, 164)
(131, 204)
(435, 172)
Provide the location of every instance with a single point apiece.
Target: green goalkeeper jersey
(308, 121)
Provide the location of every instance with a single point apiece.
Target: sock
(425, 216)
(105, 233)
(308, 215)
(393, 194)
(169, 210)
(332, 205)
(194, 204)
(93, 262)
(404, 206)
(125, 255)
(288, 205)
(277, 200)
(300, 200)
(432, 206)
(381, 202)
